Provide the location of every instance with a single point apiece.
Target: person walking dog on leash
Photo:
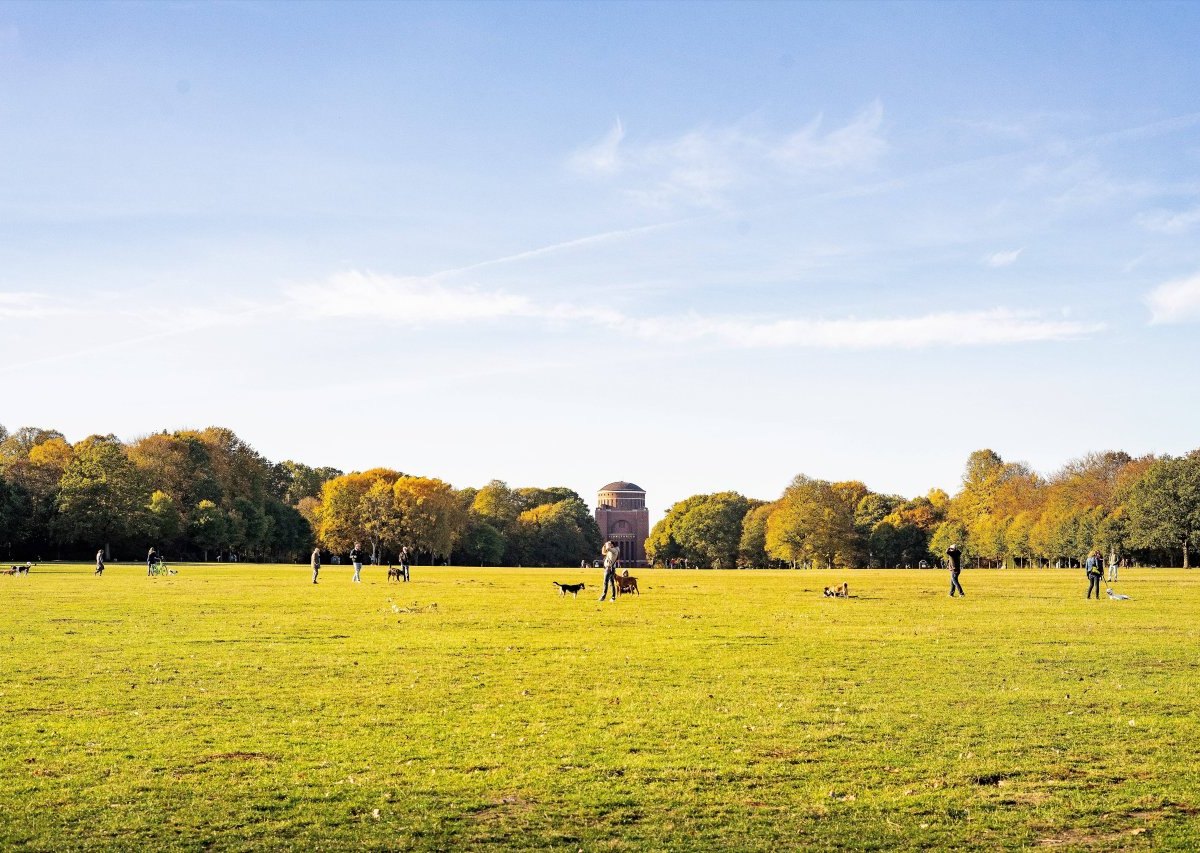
(1095, 569)
(611, 552)
(316, 562)
(954, 555)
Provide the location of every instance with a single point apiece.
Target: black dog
(573, 588)
(395, 573)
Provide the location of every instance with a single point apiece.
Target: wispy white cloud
(563, 246)
(1003, 259)
(705, 166)
(26, 305)
(602, 158)
(420, 302)
(407, 300)
(950, 329)
(1175, 301)
(1170, 221)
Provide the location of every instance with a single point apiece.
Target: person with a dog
(954, 556)
(316, 562)
(356, 559)
(1113, 565)
(611, 553)
(151, 561)
(404, 562)
(1095, 570)
(100, 562)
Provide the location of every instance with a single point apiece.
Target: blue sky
(699, 247)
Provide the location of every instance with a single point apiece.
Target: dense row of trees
(206, 493)
(1145, 509)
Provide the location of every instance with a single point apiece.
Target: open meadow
(236, 707)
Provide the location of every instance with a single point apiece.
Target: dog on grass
(626, 584)
(395, 574)
(573, 588)
(842, 590)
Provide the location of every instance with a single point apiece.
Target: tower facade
(622, 517)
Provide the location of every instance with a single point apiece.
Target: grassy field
(243, 707)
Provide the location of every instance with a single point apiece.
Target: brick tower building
(622, 516)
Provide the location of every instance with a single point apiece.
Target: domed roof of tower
(622, 486)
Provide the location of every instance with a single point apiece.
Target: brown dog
(626, 584)
(395, 573)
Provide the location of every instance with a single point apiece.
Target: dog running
(573, 588)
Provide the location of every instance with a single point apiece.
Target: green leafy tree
(1164, 506)
(101, 495)
(812, 523)
(166, 522)
(481, 544)
(208, 527)
(752, 546)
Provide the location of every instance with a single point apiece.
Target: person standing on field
(404, 562)
(151, 559)
(1113, 563)
(954, 556)
(611, 554)
(1095, 569)
(100, 562)
(316, 562)
(356, 559)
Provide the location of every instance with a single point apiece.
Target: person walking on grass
(1113, 563)
(100, 562)
(1095, 569)
(954, 557)
(356, 559)
(316, 562)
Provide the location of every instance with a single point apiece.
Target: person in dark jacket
(152, 559)
(954, 556)
(1095, 570)
(356, 559)
(404, 562)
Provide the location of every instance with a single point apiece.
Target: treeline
(1145, 509)
(206, 494)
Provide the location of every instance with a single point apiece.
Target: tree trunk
(1185, 553)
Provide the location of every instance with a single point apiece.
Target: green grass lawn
(243, 707)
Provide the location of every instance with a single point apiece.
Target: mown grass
(243, 707)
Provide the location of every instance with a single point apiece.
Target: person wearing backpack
(954, 555)
(1095, 569)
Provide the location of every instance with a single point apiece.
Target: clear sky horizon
(699, 246)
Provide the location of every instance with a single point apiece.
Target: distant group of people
(1093, 566)
(356, 559)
